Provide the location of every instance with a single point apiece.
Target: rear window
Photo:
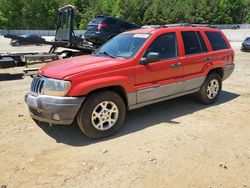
(92, 27)
(216, 40)
(97, 20)
(193, 42)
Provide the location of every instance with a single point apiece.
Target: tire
(98, 106)
(210, 90)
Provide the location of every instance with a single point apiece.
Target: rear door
(196, 56)
(159, 79)
(196, 53)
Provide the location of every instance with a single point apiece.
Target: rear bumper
(54, 110)
(228, 70)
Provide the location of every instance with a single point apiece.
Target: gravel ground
(177, 143)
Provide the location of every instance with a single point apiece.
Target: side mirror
(151, 57)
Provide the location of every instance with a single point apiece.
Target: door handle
(208, 58)
(176, 64)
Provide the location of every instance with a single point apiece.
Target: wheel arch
(218, 70)
(115, 88)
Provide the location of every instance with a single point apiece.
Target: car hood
(66, 67)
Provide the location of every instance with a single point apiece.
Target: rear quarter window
(216, 40)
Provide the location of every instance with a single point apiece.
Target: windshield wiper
(107, 54)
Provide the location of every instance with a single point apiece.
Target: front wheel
(210, 90)
(102, 114)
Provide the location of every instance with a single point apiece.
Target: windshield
(123, 46)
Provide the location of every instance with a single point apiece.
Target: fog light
(56, 117)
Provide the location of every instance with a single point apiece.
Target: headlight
(56, 87)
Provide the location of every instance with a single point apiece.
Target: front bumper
(228, 70)
(54, 110)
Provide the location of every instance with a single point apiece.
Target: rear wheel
(102, 114)
(210, 90)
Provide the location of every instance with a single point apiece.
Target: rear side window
(126, 25)
(193, 42)
(165, 45)
(216, 40)
(110, 21)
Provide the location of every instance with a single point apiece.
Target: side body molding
(156, 94)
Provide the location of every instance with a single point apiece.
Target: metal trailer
(65, 38)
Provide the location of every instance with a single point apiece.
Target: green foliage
(42, 14)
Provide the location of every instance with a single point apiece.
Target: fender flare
(85, 87)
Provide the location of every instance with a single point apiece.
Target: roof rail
(151, 26)
(203, 25)
(177, 25)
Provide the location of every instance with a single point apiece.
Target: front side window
(216, 40)
(123, 45)
(193, 42)
(166, 45)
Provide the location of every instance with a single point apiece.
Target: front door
(159, 79)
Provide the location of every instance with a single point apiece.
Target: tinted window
(165, 45)
(193, 43)
(126, 25)
(110, 21)
(133, 26)
(202, 42)
(216, 40)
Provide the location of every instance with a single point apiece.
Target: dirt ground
(177, 143)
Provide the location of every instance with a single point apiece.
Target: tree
(37, 14)
(11, 13)
(40, 14)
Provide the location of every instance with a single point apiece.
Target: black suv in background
(103, 28)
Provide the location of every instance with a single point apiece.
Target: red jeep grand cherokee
(134, 69)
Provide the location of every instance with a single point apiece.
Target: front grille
(37, 113)
(37, 85)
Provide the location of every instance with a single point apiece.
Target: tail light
(102, 26)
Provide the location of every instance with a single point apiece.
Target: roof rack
(177, 25)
